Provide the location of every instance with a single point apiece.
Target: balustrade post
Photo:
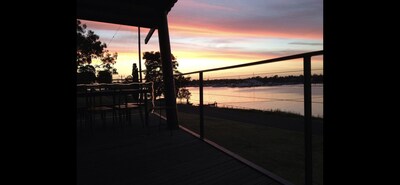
(307, 120)
(201, 105)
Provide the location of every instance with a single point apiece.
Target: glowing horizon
(207, 34)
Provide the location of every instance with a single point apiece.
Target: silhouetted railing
(307, 100)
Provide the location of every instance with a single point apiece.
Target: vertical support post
(201, 105)
(140, 58)
(165, 51)
(140, 66)
(146, 111)
(307, 120)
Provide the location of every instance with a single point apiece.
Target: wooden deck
(153, 155)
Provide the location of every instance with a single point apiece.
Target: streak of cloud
(306, 43)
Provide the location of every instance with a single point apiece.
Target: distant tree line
(257, 81)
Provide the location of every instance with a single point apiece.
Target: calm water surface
(285, 98)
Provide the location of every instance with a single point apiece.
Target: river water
(288, 98)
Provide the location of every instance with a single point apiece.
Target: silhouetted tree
(106, 68)
(135, 73)
(154, 72)
(184, 93)
(86, 74)
(88, 46)
(108, 61)
(135, 78)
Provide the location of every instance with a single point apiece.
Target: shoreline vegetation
(257, 81)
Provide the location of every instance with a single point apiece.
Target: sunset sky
(214, 33)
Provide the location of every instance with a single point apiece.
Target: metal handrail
(307, 100)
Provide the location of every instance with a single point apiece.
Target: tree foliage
(154, 72)
(88, 47)
(184, 93)
(108, 61)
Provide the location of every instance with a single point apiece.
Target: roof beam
(146, 40)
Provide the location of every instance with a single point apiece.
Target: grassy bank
(278, 150)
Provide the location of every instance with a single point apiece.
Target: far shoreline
(243, 86)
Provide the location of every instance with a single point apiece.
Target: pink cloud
(190, 4)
